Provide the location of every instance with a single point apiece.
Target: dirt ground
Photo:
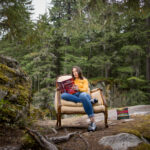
(82, 140)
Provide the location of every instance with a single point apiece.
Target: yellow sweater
(82, 84)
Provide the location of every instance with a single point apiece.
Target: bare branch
(47, 145)
(85, 141)
(61, 138)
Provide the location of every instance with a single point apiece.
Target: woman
(82, 96)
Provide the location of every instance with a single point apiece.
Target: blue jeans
(80, 97)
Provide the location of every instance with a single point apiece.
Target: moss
(6, 68)
(28, 141)
(142, 146)
(22, 97)
(141, 128)
(4, 88)
(36, 113)
(131, 131)
(144, 127)
(18, 92)
(20, 87)
(8, 111)
(4, 78)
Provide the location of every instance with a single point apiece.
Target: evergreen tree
(16, 27)
(15, 16)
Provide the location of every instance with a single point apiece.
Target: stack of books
(122, 113)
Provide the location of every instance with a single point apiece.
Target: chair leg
(59, 124)
(57, 120)
(106, 118)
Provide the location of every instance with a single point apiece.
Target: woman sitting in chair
(82, 96)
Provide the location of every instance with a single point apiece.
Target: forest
(108, 39)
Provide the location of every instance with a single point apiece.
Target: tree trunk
(69, 18)
(148, 52)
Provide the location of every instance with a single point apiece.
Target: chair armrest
(94, 90)
(58, 98)
(104, 100)
(101, 95)
(57, 89)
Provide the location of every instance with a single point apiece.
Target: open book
(66, 86)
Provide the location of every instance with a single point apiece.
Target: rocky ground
(137, 124)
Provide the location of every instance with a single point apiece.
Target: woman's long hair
(79, 72)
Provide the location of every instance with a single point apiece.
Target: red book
(121, 112)
(67, 86)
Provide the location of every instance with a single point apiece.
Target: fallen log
(43, 142)
(54, 130)
(61, 138)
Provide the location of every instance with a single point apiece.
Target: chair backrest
(96, 93)
(63, 78)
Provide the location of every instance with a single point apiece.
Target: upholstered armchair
(66, 107)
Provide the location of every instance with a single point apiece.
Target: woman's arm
(84, 86)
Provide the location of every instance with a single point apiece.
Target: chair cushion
(68, 103)
(94, 94)
(80, 110)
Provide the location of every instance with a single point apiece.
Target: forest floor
(10, 137)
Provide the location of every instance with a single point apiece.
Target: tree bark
(61, 138)
(148, 52)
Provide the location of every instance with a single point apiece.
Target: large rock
(120, 141)
(15, 90)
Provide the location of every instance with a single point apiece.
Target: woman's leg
(70, 97)
(85, 99)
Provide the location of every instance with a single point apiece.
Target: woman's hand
(75, 87)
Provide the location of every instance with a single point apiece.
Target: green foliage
(135, 97)
(136, 79)
(136, 83)
(132, 49)
(43, 101)
(42, 98)
(108, 41)
(95, 80)
(15, 18)
(125, 69)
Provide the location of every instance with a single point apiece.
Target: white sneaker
(92, 126)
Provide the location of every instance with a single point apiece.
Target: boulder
(15, 91)
(120, 141)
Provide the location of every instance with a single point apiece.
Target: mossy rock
(140, 128)
(15, 90)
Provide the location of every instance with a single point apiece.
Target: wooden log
(61, 138)
(54, 130)
(43, 142)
